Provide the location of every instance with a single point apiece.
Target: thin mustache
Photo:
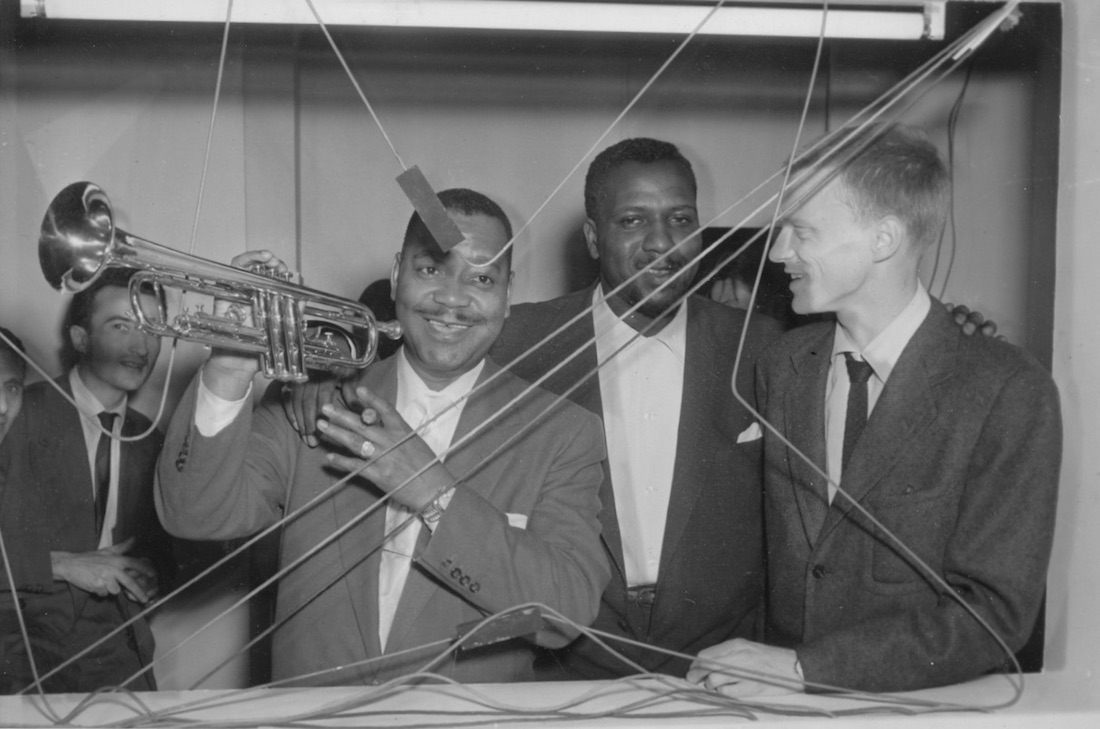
(456, 316)
(673, 262)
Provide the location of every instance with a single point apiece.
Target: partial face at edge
(452, 305)
(647, 209)
(12, 372)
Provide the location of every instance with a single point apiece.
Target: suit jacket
(710, 579)
(474, 564)
(959, 459)
(48, 505)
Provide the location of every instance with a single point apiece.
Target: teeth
(446, 325)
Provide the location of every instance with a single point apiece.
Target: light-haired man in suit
(952, 443)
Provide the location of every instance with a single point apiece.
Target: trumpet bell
(76, 234)
(292, 328)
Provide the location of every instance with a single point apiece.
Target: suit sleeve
(26, 544)
(227, 486)
(557, 560)
(995, 559)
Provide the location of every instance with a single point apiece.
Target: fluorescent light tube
(908, 20)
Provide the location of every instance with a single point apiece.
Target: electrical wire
(739, 354)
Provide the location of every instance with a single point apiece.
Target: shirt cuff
(213, 413)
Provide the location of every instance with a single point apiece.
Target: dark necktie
(856, 417)
(103, 469)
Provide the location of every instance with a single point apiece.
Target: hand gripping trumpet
(294, 328)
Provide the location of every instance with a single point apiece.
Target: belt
(642, 595)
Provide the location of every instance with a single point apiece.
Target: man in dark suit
(493, 499)
(77, 512)
(957, 461)
(681, 492)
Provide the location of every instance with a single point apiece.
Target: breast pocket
(920, 520)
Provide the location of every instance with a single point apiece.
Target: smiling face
(116, 356)
(827, 251)
(452, 305)
(646, 210)
(12, 371)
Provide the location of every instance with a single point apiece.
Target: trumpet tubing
(294, 328)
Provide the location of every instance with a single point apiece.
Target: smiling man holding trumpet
(491, 502)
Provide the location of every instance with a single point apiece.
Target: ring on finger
(367, 449)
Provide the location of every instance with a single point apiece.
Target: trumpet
(294, 328)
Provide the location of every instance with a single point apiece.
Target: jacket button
(819, 571)
(456, 573)
(448, 562)
(474, 587)
(464, 581)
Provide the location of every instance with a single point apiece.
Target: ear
(890, 238)
(591, 239)
(78, 336)
(393, 275)
(508, 294)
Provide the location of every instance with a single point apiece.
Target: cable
(739, 349)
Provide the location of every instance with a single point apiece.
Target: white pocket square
(517, 520)
(753, 432)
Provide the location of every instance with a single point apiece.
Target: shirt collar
(614, 332)
(884, 351)
(86, 399)
(411, 388)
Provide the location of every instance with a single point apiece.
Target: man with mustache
(79, 523)
(681, 492)
(490, 503)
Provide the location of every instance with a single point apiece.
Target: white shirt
(641, 387)
(417, 403)
(90, 404)
(882, 353)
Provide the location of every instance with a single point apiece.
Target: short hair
(82, 307)
(15, 346)
(641, 150)
(16, 342)
(464, 201)
(889, 169)
(83, 304)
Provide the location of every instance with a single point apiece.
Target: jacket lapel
(580, 337)
(689, 471)
(805, 426)
(70, 477)
(906, 407)
(493, 405)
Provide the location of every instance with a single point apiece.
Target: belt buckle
(642, 595)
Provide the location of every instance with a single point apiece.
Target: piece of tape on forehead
(426, 202)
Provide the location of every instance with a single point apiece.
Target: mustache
(674, 261)
(448, 315)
